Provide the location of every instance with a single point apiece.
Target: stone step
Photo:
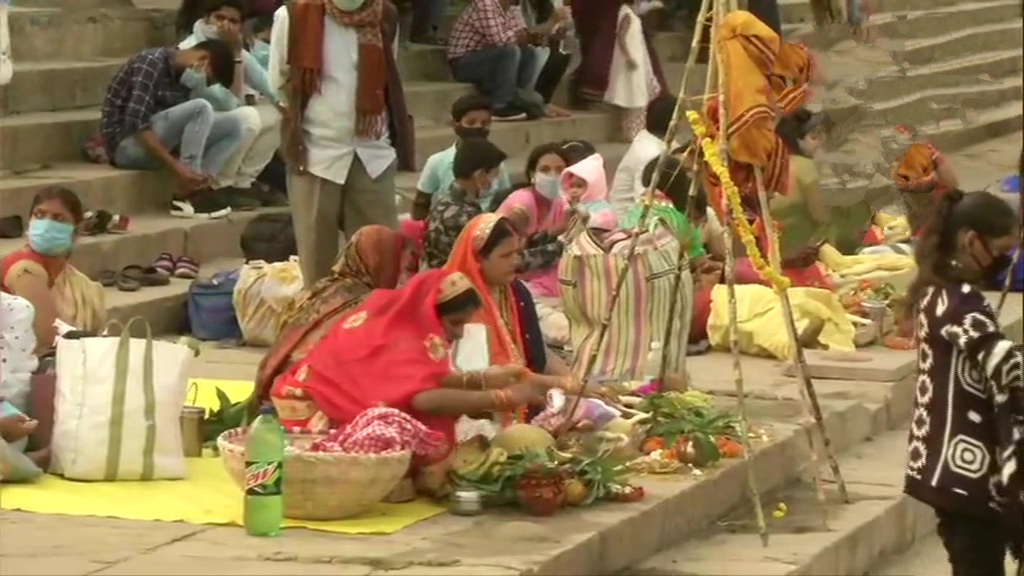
(980, 154)
(40, 139)
(74, 4)
(149, 236)
(50, 34)
(927, 107)
(879, 521)
(1000, 36)
(891, 82)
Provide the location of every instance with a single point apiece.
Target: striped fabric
(588, 274)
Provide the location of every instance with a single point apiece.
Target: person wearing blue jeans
(149, 120)
(489, 48)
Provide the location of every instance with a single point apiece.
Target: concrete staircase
(959, 55)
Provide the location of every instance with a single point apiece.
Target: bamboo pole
(730, 286)
(808, 395)
(641, 225)
(683, 258)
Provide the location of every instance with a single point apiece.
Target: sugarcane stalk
(602, 332)
(730, 286)
(807, 392)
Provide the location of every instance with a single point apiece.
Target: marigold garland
(714, 159)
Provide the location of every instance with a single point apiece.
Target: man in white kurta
(348, 181)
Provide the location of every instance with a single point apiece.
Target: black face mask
(464, 132)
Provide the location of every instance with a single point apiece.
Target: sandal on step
(107, 278)
(95, 222)
(119, 224)
(126, 283)
(145, 275)
(165, 263)
(186, 268)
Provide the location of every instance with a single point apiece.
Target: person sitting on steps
(488, 48)
(148, 112)
(261, 123)
(471, 118)
(41, 273)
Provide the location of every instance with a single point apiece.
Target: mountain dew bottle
(264, 468)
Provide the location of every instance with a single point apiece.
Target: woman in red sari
(394, 351)
(596, 22)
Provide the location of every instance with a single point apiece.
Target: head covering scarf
(498, 313)
(370, 260)
(384, 353)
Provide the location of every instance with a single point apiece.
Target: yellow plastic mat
(208, 496)
(202, 392)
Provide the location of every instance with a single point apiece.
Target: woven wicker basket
(322, 485)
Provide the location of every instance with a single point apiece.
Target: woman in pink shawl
(540, 214)
(596, 22)
(585, 186)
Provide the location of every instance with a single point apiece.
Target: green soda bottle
(264, 468)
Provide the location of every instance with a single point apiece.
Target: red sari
(383, 353)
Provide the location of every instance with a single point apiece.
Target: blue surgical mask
(50, 237)
(261, 52)
(348, 5)
(193, 79)
(549, 185)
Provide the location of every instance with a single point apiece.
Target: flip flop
(186, 268)
(165, 263)
(127, 283)
(107, 278)
(145, 275)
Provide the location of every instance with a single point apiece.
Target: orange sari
(499, 312)
(764, 75)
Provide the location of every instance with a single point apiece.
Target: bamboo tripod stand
(814, 425)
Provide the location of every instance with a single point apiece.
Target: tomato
(653, 445)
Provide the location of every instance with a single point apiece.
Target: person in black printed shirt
(476, 166)
(964, 453)
(148, 115)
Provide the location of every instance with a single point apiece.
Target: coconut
(522, 438)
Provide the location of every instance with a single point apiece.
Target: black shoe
(204, 205)
(508, 114)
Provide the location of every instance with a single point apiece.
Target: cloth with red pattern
(384, 431)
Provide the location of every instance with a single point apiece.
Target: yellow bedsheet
(208, 496)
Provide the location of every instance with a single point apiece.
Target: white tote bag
(118, 407)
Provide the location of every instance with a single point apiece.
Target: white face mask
(209, 31)
(549, 185)
(348, 5)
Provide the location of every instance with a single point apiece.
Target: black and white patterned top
(965, 432)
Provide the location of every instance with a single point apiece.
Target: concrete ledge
(41, 139)
(880, 521)
(53, 34)
(203, 240)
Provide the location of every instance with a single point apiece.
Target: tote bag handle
(122, 361)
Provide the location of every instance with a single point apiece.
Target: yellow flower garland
(714, 159)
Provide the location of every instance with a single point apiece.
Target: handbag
(588, 274)
(118, 407)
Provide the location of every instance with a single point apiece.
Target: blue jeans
(498, 71)
(205, 139)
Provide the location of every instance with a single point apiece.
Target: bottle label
(262, 478)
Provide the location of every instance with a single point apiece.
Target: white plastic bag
(263, 296)
(117, 410)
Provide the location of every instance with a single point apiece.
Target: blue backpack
(211, 310)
